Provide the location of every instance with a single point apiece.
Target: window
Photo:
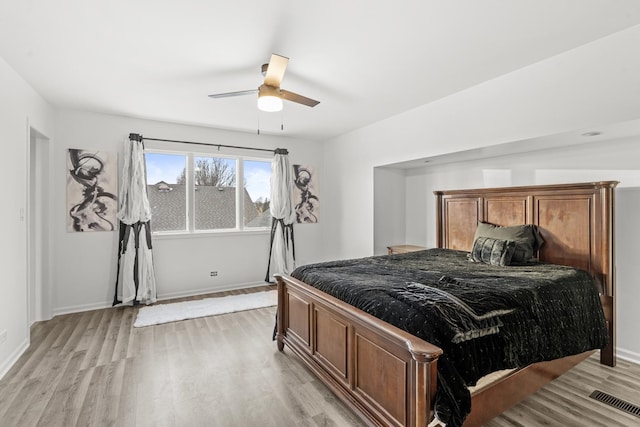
(191, 192)
(167, 198)
(257, 187)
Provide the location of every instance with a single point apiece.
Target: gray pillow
(526, 238)
(492, 251)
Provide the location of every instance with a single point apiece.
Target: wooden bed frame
(387, 376)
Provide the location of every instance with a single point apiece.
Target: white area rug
(164, 313)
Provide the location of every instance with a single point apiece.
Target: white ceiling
(364, 60)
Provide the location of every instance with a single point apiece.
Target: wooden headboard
(575, 220)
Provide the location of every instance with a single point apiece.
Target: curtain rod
(138, 137)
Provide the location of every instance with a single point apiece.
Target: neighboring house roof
(214, 208)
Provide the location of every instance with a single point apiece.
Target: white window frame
(190, 156)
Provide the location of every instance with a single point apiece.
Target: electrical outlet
(3, 336)
(214, 273)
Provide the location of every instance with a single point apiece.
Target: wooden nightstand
(403, 249)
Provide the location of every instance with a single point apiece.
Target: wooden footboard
(387, 376)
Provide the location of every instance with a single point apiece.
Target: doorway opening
(38, 230)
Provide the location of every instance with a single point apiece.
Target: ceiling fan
(270, 95)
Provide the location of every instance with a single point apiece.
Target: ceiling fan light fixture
(269, 99)
(270, 96)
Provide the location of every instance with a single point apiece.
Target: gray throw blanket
(462, 321)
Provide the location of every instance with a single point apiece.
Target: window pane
(215, 193)
(257, 192)
(166, 190)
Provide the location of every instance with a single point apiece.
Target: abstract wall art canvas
(305, 194)
(92, 186)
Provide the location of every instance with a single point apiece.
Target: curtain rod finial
(135, 137)
(280, 151)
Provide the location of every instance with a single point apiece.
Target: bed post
(608, 295)
(280, 313)
(424, 378)
(439, 207)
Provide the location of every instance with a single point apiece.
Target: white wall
(388, 210)
(85, 263)
(628, 269)
(20, 108)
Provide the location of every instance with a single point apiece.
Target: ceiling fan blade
(294, 97)
(275, 70)
(229, 94)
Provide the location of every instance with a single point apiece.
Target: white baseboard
(161, 296)
(80, 308)
(13, 358)
(627, 355)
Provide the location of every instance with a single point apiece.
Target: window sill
(166, 235)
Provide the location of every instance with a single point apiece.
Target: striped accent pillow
(492, 251)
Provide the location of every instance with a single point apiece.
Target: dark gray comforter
(485, 318)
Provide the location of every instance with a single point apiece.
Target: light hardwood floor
(95, 369)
